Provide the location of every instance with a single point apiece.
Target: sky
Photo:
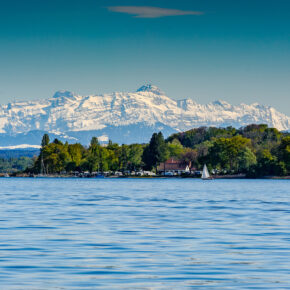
(238, 51)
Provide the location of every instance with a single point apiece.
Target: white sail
(205, 173)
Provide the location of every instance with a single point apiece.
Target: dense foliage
(255, 150)
(11, 165)
(57, 157)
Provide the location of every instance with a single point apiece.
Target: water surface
(144, 234)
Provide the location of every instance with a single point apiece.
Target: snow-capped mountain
(123, 117)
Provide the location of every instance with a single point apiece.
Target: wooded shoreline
(255, 151)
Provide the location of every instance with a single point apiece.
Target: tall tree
(284, 152)
(45, 140)
(156, 152)
(93, 157)
(135, 156)
(94, 142)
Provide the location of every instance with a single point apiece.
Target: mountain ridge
(149, 107)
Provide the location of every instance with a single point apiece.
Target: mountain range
(122, 117)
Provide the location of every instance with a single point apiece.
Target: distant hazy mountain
(123, 117)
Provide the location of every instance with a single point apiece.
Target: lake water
(144, 234)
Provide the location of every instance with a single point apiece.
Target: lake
(144, 234)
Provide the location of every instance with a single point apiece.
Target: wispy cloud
(151, 12)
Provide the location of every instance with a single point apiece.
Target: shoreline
(145, 177)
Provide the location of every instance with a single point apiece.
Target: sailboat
(205, 173)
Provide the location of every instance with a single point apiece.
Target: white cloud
(151, 12)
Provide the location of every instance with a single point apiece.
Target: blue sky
(238, 50)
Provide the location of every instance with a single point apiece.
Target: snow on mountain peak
(143, 111)
(151, 89)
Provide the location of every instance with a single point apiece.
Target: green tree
(156, 152)
(284, 152)
(104, 155)
(255, 149)
(45, 140)
(76, 152)
(93, 158)
(135, 156)
(261, 136)
(124, 157)
(94, 142)
(56, 141)
(175, 148)
(225, 151)
(190, 156)
(55, 157)
(203, 156)
(267, 165)
(246, 159)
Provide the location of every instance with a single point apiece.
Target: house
(174, 166)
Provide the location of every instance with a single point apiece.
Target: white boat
(205, 174)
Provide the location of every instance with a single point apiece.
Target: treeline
(57, 157)
(255, 150)
(13, 165)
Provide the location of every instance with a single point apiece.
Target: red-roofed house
(174, 166)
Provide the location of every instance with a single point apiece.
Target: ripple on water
(144, 234)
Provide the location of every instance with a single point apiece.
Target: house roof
(172, 164)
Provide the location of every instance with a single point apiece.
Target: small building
(176, 167)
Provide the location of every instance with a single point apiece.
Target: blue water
(144, 234)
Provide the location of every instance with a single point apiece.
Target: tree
(45, 140)
(284, 152)
(76, 152)
(246, 159)
(254, 149)
(203, 152)
(225, 151)
(94, 142)
(267, 165)
(56, 141)
(104, 154)
(189, 156)
(135, 156)
(93, 157)
(70, 166)
(156, 152)
(55, 157)
(124, 157)
(199, 135)
(261, 136)
(112, 158)
(175, 148)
